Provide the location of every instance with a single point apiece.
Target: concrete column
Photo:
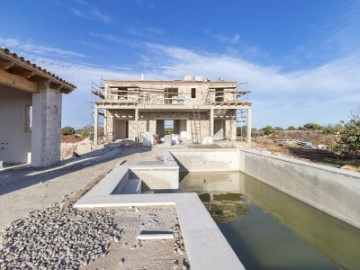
(211, 122)
(46, 126)
(96, 124)
(105, 126)
(248, 126)
(136, 125)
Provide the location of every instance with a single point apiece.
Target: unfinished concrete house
(30, 111)
(196, 109)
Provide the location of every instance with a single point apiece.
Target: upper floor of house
(187, 93)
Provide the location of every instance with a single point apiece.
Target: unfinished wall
(147, 122)
(184, 91)
(45, 143)
(15, 138)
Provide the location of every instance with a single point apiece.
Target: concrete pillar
(136, 125)
(46, 126)
(105, 126)
(248, 126)
(96, 125)
(211, 122)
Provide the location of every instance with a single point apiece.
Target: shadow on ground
(15, 179)
(322, 156)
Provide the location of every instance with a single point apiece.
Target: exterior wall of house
(205, 95)
(15, 132)
(184, 91)
(147, 122)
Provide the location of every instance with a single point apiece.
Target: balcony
(159, 100)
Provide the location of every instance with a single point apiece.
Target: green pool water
(271, 230)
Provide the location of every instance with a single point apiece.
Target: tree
(241, 131)
(313, 126)
(332, 129)
(268, 130)
(85, 131)
(349, 142)
(291, 128)
(67, 131)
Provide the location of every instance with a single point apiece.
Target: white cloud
(325, 94)
(30, 47)
(79, 14)
(91, 15)
(228, 39)
(101, 16)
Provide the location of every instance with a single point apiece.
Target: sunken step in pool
(271, 230)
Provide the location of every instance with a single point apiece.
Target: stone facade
(202, 93)
(189, 103)
(148, 120)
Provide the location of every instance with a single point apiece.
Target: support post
(248, 126)
(46, 126)
(136, 125)
(211, 122)
(96, 128)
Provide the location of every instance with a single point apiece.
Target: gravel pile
(58, 239)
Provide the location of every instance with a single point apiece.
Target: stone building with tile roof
(30, 111)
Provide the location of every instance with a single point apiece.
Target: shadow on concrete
(13, 179)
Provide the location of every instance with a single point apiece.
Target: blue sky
(301, 59)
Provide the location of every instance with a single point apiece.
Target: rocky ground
(56, 238)
(62, 237)
(39, 230)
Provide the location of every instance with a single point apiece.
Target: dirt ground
(130, 253)
(27, 189)
(310, 154)
(71, 138)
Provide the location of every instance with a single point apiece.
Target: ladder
(196, 125)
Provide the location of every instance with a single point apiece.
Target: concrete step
(133, 186)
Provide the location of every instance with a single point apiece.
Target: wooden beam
(5, 64)
(22, 72)
(98, 93)
(55, 86)
(17, 82)
(65, 90)
(40, 80)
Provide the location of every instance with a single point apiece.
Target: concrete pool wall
(334, 191)
(156, 175)
(206, 246)
(207, 160)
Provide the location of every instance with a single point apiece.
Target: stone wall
(184, 91)
(147, 122)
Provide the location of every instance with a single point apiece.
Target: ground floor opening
(188, 126)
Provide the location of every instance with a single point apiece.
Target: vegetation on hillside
(85, 131)
(349, 139)
(67, 131)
